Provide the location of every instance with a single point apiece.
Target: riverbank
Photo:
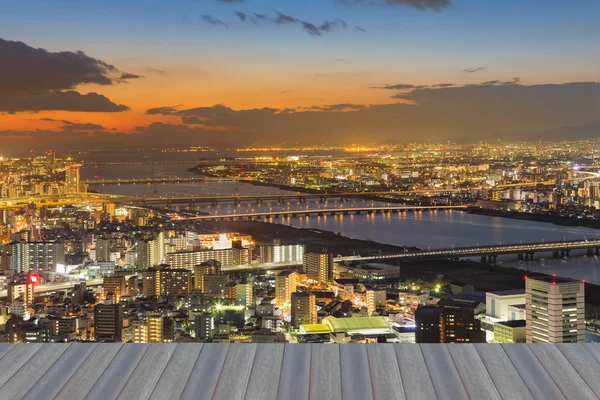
(553, 219)
(484, 277)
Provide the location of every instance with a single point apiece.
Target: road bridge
(319, 212)
(522, 250)
(151, 181)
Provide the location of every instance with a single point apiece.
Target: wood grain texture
(266, 371)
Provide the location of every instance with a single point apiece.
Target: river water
(440, 229)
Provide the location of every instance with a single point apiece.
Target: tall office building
(108, 322)
(285, 285)
(555, 310)
(319, 266)
(303, 309)
(102, 249)
(72, 180)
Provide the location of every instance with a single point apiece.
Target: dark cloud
(83, 127)
(125, 76)
(157, 71)
(473, 111)
(399, 86)
(497, 82)
(281, 19)
(472, 70)
(192, 120)
(35, 79)
(359, 29)
(209, 19)
(58, 100)
(436, 5)
(442, 85)
(312, 29)
(168, 110)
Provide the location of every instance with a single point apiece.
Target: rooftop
(299, 371)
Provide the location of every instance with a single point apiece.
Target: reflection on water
(427, 229)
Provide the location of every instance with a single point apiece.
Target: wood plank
(205, 375)
(445, 378)
(266, 370)
(30, 372)
(142, 381)
(416, 380)
(82, 381)
(17, 356)
(562, 373)
(586, 365)
(385, 373)
(534, 375)
(325, 374)
(177, 372)
(236, 372)
(506, 379)
(472, 372)
(356, 376)
(594, 349)
(118, 371)
(61, 371)
(5, 348)
(294, 381)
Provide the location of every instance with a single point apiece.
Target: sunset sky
(243, 72)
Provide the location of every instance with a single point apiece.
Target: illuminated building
(555, 310)
(497, 303)
(282, 253)
(72, 180)
(212, 284)
(449, 321)
(285, 285)
(114, 285)
(510, 331)
(303, 309)
(150, 330)
(108, 322)
(205, 324)
(374, 299)
(151, 251)
(41, 256)
(20, 290)
(211, 267)
(227, 257)
(319, 266)
(102, 250)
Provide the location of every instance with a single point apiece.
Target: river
(440, 229)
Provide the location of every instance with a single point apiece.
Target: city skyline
(241, 73)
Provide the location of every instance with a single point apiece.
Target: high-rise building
(39, 256)
(303, 309)
(102, 249)
(155, 328)
(319, 266)
(151, 282)
(20, 290)
(114, 285)
(72, 179)
(139, 330)
(285, 285)
(108, 322)
(151, 251)
(427, 319)
(555, 310)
